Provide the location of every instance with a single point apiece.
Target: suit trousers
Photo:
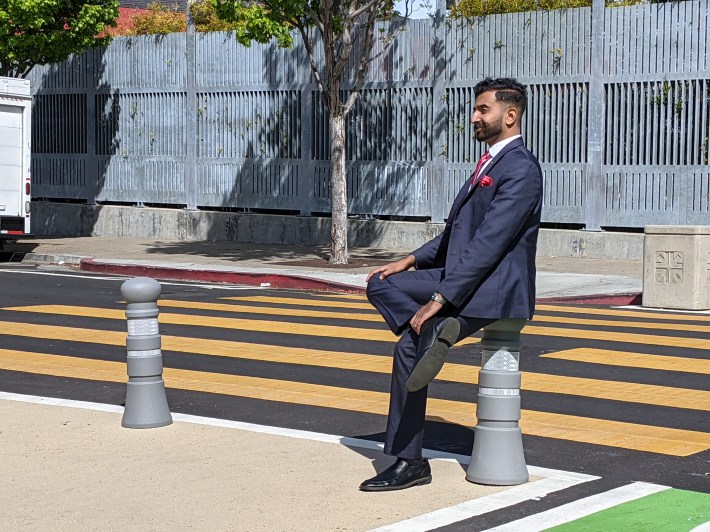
(398, 298)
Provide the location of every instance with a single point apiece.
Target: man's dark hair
(508, 90)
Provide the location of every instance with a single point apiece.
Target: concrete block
(67, 219)
(676, 267)
(605, 245)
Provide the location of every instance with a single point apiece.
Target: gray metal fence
(619, 118)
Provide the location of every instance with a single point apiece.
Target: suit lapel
(510, 146)
(465, 191)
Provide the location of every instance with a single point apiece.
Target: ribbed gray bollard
(146, 403)
(497, 457)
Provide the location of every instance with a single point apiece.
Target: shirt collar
(498, 146)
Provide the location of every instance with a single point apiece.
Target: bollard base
(497, 458)
(146, 406)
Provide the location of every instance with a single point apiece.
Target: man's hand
(428, 311)
(393, 267)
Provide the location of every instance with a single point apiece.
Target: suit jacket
(487, 249)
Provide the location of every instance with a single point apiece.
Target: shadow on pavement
(273, 253)
(439, 435)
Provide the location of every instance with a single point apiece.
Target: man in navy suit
(480, 269)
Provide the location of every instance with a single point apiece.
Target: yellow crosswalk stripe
(624, 324)
(273, 311)
(568, 309)
(600, 432)
(365, 305)
(461, 373)
(359, 333)
(374, 317)
(285, 327)
(633, 360)
(623, 313)
(630, 392)
(281, 327)
(205, 346)
(617, 336)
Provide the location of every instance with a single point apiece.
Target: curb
(213, 276)
(633, 298)
(296, 282)
(69, 260)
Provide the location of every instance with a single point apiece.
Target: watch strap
(436, 296)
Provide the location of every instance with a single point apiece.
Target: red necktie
(483, 160)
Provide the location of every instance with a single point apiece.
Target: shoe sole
(433, 360)
(418, 482)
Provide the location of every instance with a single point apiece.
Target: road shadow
(440, 436)
(75, 126)
(249, 251)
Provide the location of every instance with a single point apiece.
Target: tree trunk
(338, 187)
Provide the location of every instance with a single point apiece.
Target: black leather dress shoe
(435, 340)
(399, 476)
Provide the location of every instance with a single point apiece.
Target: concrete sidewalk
(75, 468)
(281, 266)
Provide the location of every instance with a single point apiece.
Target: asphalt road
(623, 394)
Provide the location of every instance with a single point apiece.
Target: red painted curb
(602, 299)
(302, 283)
(214, 276)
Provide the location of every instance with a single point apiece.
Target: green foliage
(624, 3)
(160, 19)
(481, 8)
(37, 32)
(204, 15)
(258, 22)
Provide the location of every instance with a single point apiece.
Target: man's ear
(511, 116)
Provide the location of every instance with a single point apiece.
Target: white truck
(15, 183)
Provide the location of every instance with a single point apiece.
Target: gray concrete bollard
(146, 403)
(497, 457)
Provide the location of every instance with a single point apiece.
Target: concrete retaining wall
(64, 219)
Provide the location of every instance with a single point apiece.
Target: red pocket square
(486, 181)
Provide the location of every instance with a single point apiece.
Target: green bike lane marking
(671, 510)
(634, 507)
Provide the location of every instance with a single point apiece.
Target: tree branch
(317, 22)
(365, 60)
(353, 15)
(310, 51)
(346, 46)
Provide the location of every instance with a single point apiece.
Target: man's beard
(489, 131)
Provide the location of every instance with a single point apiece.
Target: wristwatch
(436, 296)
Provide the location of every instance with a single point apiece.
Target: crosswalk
(602, 370)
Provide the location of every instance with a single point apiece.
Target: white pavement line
(277, 431)
(100, 277)
(483, 505)
(582, 508)
(55, 274)
(534, 471)
(53, 401)
(200, 420)
(213, 286)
